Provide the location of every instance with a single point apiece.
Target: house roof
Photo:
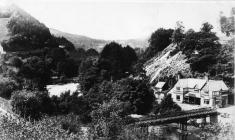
(215, 85)
(210, 85)
(160, 84)
(191, 83)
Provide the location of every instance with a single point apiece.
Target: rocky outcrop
(166, 64)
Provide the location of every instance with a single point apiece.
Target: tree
(178, 33)
(167, 106)
(27, 34)
(86, 64)
(135, 93)
(58, 54)
(7, 86)
(130, 57)
(227, 23)
(91, 52)
(89, 78)
(107, 122)
(15, 61)
(36, 70)
(26, 104)
(158, 41)
(67, 44)
(116, 60)
(111, 59)
(206, 27)
(207, 46)
(67, 68)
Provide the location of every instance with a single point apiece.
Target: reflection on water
(173, 134)
(168, 133)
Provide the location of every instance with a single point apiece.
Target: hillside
(85, 42)
(170, 62)
(20, 18)
(80, 41)
(134, 43)
(165, 65)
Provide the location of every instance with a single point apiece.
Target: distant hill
(134, 43)
(85, 42)
(80, 41)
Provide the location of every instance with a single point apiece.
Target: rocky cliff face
(166, 64)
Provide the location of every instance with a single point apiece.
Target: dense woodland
(113, 81)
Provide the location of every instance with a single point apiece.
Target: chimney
(178, 77)
(206, 77)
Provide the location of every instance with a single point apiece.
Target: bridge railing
(179, 113)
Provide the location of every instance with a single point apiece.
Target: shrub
(31, 104)
(107, 122)
(47, 128)
(167, 106)
(15, 61)
(7, 86)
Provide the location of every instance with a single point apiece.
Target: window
(177, 88)
(178, 97)
(206, 101)
(207, 92)
(216, 93)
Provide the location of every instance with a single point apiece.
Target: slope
(166, 64)
(80, 41)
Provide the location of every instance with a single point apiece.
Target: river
(170, 132)
(58, 89)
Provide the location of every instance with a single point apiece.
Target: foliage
(107, 121)
(100, 93)
(89, 78)
(47, 128)
(166, 106)
(27, 34)
(15, 62)
(224, 68)
(158, 41)
(7, 86)
(31, 104)
(116, 60)
(66, 103)
(64, 42)
(68, 68)
(86, 64)
(178, 34)
(136, 94)
(201, 48)
(58, 54)
(217, 131)
(227, 23)
(36, 70)
(92, 52)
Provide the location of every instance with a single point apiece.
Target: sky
(122, 19)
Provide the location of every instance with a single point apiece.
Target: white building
(158, 88)
(202, 92)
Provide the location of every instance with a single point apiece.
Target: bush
(136, 94)
(7, 86)
(107, 122)
(47, 128)
(31, 104)
(167, 106)
(15, 61)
